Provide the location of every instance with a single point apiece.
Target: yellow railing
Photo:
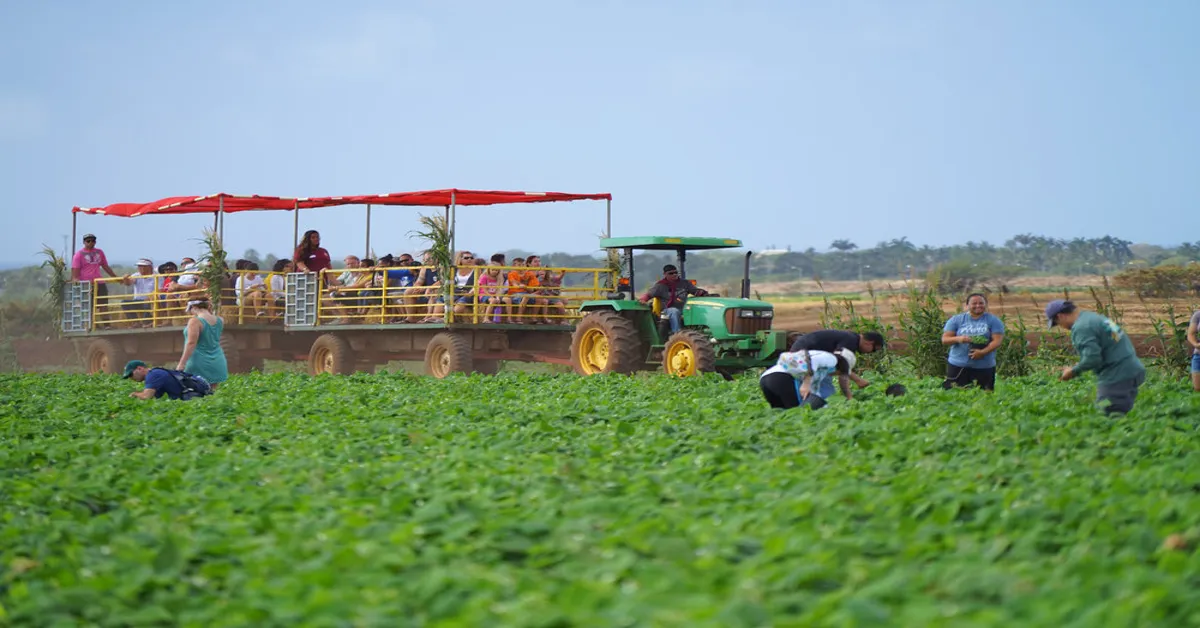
(377, 296)
(362, 296)
(117, 302)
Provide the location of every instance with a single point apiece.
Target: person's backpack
(191, 385)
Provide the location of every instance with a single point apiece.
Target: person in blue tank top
(973, 337)
(202, 352)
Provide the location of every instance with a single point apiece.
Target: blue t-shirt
(400, 278)
(163, 383)
(964, 325)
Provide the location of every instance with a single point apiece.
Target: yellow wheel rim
(681, 360)
(323, 361)
(101, 363)
(439, 362)
(593, 351)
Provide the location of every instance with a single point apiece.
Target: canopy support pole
(367, 251)
(221, 215)
(608, 218)
(216, 220)
(74, 228)
(295, 229)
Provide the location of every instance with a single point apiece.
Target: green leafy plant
(56, 289)
(921, 319)
(1170, 333)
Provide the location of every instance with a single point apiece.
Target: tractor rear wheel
(105, 356)
(448, 353)
(689, 352)
(605, 342)
(330, 354)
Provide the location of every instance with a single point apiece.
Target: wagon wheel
(689, 352)
(605, 342)
(448, 353)
(105, 356)
(330, 354)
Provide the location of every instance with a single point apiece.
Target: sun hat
(130, 367)
(1054, 308)
(145, 261)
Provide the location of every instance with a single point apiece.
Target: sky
(790, 123)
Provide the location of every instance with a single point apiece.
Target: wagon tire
(106, 357)
(331, 354)
(448, 353)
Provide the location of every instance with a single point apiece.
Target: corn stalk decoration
(435, 231)
(213, 266)
(56, 291)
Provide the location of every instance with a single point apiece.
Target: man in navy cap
(1104, 348)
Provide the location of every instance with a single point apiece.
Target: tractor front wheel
(605, 342)
(689, 352)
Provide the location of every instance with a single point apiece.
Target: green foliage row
(559, 501)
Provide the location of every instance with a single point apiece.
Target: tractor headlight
(766, 313)
(746, 313)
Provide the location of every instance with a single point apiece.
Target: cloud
(22, 116)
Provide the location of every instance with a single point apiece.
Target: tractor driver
(673, 292)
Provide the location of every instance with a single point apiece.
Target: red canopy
(231, 203)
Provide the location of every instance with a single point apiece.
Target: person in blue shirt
(160, 382)
(971, 361)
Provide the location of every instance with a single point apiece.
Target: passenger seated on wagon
(552, 283)
(491, 295)
(342, 290)
(277, 287)
(251, 289)
(464, 283)
(138, 310)
(186, 287)
(522, 290)
(429, 297)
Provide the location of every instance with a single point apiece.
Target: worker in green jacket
(1104, 348)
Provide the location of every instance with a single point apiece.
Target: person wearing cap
(797, 378)
(834, 340)
(87, 264)
(138, 308)
(159, 381)
(673, 292)
(202, 352)
(1103, 347)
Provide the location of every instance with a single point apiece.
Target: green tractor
(720, 334)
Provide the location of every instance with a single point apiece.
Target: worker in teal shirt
(1104, 348)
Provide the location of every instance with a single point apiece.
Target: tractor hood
(728, 302)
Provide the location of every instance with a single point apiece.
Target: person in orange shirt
(521, 284)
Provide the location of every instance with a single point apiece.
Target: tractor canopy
(668, 243)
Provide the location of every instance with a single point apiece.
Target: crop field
(552, 500)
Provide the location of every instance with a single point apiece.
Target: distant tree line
(979, 262)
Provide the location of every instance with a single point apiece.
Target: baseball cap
(145, 262)
(131, 366)
(1054, 308)
(89, 236)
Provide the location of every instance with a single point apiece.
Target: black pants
(965, 376)
(779, 390)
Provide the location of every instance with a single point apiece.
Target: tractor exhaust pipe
(746, 277)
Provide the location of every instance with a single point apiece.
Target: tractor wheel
(487, 367)
(330, 354)
(106, 357)
(448, 353)
(233, 361)
(605, 342)
(689, 352)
